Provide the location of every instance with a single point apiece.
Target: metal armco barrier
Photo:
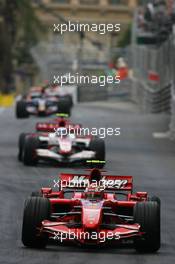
(172, 120)
(92, 92)
(154, 73)
(150, 100)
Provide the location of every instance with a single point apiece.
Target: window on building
(116, 2)
(144, 2)
(89, 2)
(61, 1)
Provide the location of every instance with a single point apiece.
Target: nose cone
(65, 146)
(41, 105)
(91, 218)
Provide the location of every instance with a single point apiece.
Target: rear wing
(46, 126)
(107, 182)
(55, 124)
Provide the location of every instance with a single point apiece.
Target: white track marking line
(161, 135)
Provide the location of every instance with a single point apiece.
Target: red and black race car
(92, 209)
(43, 101)
(43, 128)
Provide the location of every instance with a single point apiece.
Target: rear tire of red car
(36, 194)
(21, 111)
(147, 214)
(21, 143)
(30, 146)
(155, 199)
(98, 145)
(64, 106)
(36, 210)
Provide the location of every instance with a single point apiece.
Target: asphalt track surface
(151, 162)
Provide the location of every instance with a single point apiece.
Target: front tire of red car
(147, 214)
(36, 210)
(21, 143)
(36, 194)
(30, 157)
(155, 199)
(98, 145)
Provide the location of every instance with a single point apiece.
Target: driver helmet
(62, 123)
(95, 175)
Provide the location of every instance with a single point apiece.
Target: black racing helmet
(95, 175)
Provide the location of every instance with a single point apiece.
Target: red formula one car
(43, 128)
(102, 209)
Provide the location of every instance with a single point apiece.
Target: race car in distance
(101, 209)
(63, 147)
(43, 128)
(43, 101)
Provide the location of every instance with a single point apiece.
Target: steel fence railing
(154, 67)
(153, 85)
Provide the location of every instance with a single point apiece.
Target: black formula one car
(41, 101)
